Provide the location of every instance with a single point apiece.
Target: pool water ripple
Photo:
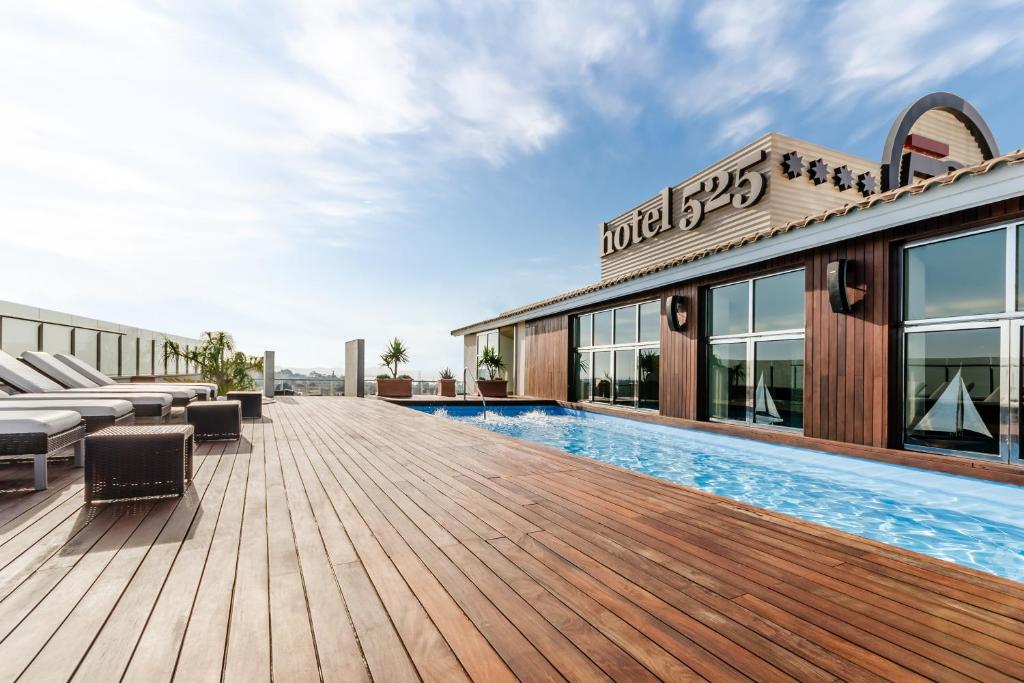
(971, 522)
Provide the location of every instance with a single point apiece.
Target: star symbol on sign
(792, 164)
(818, 171)
(866, 183)
(843, 178)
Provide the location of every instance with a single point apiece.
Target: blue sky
(302, 173)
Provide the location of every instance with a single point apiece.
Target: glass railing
(335, 386)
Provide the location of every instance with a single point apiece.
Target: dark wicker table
(215, 419)
(252, 403)
(138, 460)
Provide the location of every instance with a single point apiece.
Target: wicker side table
(138, 460)
(252, 403)
(215, 419)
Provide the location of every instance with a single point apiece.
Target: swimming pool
(971, 522)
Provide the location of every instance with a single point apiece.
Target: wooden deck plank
(449, 647)
(385, 656)
(111, 651)
(248, 650)
(21, 645)
(200, 654)
(293, 651)
(355, 540)
(394, 570)
(158, 642)
(788, 560)
(162, 529)
(498, 612)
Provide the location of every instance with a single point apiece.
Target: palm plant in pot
(446, 383)
(217, 362)
(495, 385)
(394, 385)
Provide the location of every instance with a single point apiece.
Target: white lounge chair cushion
(87, 407)
(119, 389)
(23, 378)
(136, 398)
(164, 386)
(57, 371)
(86, 370)
(51, 366)
(47, 422)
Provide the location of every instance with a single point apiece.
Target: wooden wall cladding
(851, 371)
(547, 353)
(851, 376)
(678, 374)
(846, 371)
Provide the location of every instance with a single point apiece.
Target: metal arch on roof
(892, 152)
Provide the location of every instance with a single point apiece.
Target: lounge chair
(33, 385)
(98, 413)
(68, 378)
(38, 434)
(91, 373)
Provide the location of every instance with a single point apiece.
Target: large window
(616, 355)
(483, 340)
(755, 353)
(962, 343)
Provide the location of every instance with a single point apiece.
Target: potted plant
(494, 386)
(446, 383)
(394, 385)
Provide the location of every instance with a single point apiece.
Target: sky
(302, 173)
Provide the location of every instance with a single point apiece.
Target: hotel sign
(773, 180)
(741, 187)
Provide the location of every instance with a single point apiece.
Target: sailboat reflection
(953, 413)
(765, 410)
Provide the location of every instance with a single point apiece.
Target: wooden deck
(349, 540)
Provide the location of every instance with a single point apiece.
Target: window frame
(1010, 266)
(1010, 322)
(479, 351)
(635, 346)
(751, 339)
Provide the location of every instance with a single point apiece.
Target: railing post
(268, 374)
(355, 356)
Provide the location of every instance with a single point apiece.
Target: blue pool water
(974, 523)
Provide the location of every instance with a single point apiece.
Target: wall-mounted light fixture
(675, 312)
(841, 296)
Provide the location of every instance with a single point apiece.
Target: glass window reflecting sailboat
(765, 410)
(954, 412)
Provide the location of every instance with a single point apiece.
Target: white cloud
(895, 50)
(208, 150)
(744, 128)
(816, 56)
(492, 117)
(752, 52)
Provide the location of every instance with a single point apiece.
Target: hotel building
(791, 289)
